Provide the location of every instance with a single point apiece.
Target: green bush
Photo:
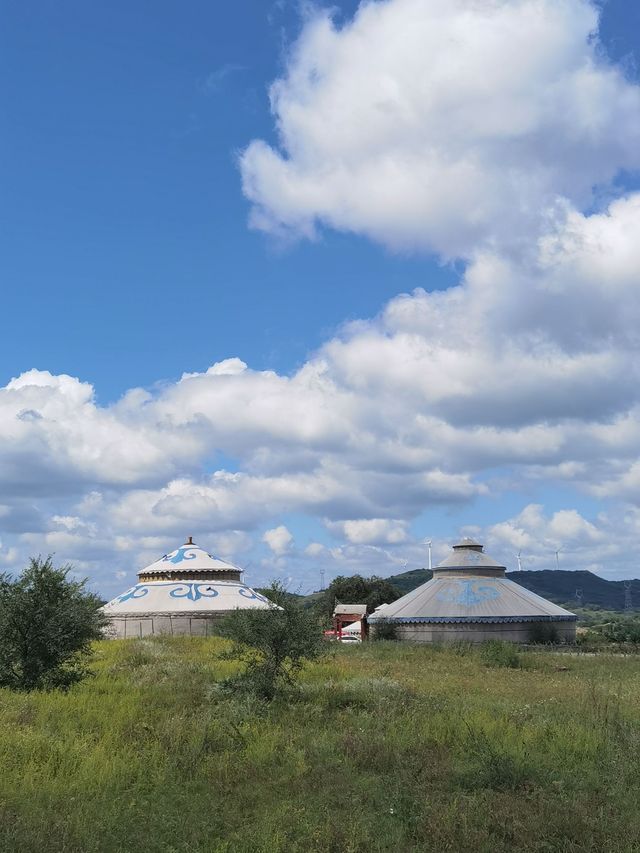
(384, 629)
(543, 633)
(625, 630)
(47, 623)
(273, 644)
(500, 653)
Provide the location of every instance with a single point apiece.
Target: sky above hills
(314, 285)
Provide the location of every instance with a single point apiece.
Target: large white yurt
(184, 592)
(469, 598)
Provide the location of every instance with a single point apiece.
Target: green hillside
(583, 587)
(407, 581)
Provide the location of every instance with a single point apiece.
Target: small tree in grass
(384, 629)
(273, 644)
(47, 623)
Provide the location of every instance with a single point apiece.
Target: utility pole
(322, 580)
(628, 601)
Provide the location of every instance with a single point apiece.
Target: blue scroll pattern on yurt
(467, 593)
(191, 591)
(184, 553)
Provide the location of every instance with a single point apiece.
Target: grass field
(383, 747)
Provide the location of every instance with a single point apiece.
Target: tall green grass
(382, 747)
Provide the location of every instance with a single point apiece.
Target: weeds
(494, 764)
(500, 653)
(377, 748)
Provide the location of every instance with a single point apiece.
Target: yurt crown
(468, 545)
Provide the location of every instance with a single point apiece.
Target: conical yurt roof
(469, 586)
(174, 585)
(189, 558)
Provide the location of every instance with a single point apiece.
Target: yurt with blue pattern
(469, 598)
(184, 592)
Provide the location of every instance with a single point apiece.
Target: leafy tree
(47, 623)
(273, 644)
(372, 591)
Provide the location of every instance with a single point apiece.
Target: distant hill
(407, 581)
(557, 585)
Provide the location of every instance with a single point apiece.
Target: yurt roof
(173, 597)
(189, 558)
(448, 597)
(166, 594)
(468, 555)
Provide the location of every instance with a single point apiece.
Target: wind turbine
(428, 543)
(519, 561)
(558, 558)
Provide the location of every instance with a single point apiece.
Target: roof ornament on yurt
(469, 597)
(183, 592)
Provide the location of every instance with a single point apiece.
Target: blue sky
(131, 255)
(123, 210)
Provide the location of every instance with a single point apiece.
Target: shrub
(273, 644)
(543, 633)
(47, 623)
(623, 630)
(500, 653)
(384, 629)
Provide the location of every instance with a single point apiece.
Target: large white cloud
(442, 124)
(494, 119)
(530, 368)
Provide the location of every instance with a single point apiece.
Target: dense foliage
(355, 589)
(273, 644)
(608, 629)
(47, 623)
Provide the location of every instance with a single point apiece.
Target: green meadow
(381, 747)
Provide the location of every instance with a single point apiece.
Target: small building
(347, 614)
(184, 592)
(469, 598)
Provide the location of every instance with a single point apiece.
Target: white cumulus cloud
(442, 124)
(475, 129)
(279, 539)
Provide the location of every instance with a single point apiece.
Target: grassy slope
(386, 747)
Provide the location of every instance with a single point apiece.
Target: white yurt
(469, 598)
(183, 592)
